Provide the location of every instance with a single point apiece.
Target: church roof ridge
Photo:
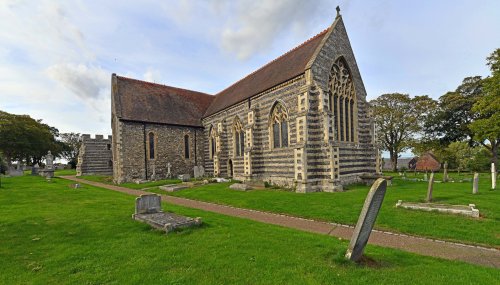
(275, 59)
(161, 85)
(285, 67)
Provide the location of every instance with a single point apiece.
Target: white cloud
(152, 75)
(87, 82)
(256, 25)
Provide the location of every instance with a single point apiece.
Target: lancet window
(238, 138)
(279, 126)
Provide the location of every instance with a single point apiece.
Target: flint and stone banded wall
(132, 161)
(350, 159)
(259, 161)
(95, 156)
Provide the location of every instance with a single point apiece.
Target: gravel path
(424, 246)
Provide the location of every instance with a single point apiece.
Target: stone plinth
(469, 210)
(173, 187)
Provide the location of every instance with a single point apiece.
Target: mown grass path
(424, 246)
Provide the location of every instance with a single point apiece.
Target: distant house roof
(137, 100)
(282, 69)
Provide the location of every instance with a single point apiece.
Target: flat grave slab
(167, 221)
(173, 187)
(469, 210)
(148, 210)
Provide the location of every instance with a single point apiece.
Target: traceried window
(279, 126)
(213, 142)
(343, 101)
(186, 146)
(238, 138)
(151, 144)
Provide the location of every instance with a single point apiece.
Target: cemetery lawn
(53, 234)
(109, 180)
(344, 207)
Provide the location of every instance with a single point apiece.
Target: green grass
(53, 234)
(109, 180)
(344, 207)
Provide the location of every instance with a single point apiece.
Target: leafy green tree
(71, 146)
(451, 120)
(486, 128)
(399, 119)
(24, 138)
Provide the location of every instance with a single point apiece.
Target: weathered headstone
(430, 188)
(445, 172)
(169, 173)
(240, 187)
(148, 204)
(153, 176)
(426, 177)
(493, 176)
(199, 171)
(49, 159)
(34, 169)
(13, 171)
(475, 183)
(366, 220)
(184, 177)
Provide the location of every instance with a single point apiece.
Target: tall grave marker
(475, 183)
(366, 220)
(430, 188)
(493, 176)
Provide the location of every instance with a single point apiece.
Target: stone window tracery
(343, 101)
(279, 126)
(238, 137)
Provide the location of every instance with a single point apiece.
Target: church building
(301, 121)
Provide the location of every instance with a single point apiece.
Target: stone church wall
(351, 159)
(95, 156)
(274, 165)
(133, 156)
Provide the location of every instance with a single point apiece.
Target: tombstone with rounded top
(366, 220)
(475, 183)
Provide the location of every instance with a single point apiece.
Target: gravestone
(426, 177)
(169, 173)
(445, 172)
(184, 177)
(148, 210)
(475, 183)
(240, 187)
(49, 159)
(153, 176)
(148, 204)
(199, 171)
(429, 188)
(34, 169)
(14, 171)
(493, 176)
(366, 220)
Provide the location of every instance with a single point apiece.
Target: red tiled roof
(143, 101)
(285, 67)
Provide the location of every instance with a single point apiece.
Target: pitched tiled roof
(142, 101)
(282, 69)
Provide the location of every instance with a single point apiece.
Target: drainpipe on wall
(195, 149)
(145, 152)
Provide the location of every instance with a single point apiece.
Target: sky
(57, 57)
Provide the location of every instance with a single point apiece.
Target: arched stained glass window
(343, 101)
(279, 126)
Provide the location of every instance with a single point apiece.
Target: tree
(71, 146)
(451, 120)
(486, 128)
(24, 138)
(399, 119)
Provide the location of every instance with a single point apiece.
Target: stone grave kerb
(366, 220)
